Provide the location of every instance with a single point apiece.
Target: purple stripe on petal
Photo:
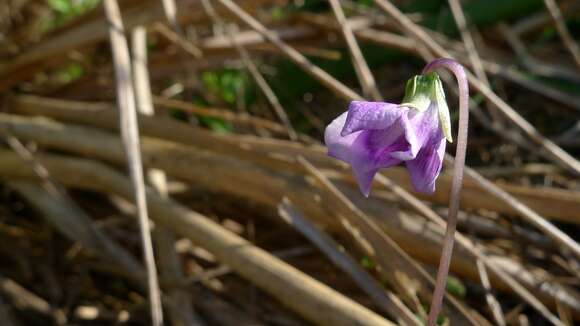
(426, 167)
(375, 135)
(418, 128)
(371, 115)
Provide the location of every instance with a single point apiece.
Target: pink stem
(456, 185)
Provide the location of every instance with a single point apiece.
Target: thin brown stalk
(384, 299)
(180, 309)
(392, 40)
(562, 30)
(24, 298)
(76, 225)
(471, 49)
(310, 298)
(492, 302)
(170, 10)
(561, 238)
(468, 42)
(384, 249)
(60, 210)
(557, 204)
(563, 157)
(130, 135)
(213, 154)
(469, 246)
(253, 69)
(556, 153)
(291, 53)
(362, 70)
(240, 118)
(178, 39)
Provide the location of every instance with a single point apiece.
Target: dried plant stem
(456, 184)
(178, 160)
(170, 10)
(253, 69)
(361, 67)
(491, 300)
(472, 249)
(565, 241)
(386, 252)
(180, 309)
(384, 299)
(325, 78)
(559, 21)
(471, 49)
(52, 199)
(130, 135)
(310, 298)
(555, 152)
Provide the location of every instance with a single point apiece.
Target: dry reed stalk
(472, 53)
(253, 69)
(61, 211)
(417, 238)
(274, 152)
(78, 226)
(291, 53)
(130, 136)
(25, 299)
(558, 204)
(362, 69)
(392, 40)
(308, 297)
(384, 299)
(557, 154)
(90, 29)
(491, 300)
(389, 256)
(181, 310)
(240, 118)
(565, 35)
(470, 246)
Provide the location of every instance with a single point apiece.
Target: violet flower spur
(375, 135)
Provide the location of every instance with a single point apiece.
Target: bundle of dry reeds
(257, 225)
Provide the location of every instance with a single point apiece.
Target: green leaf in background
(456, 287)
(62, 6)
(368, 263)
(216, 124)
(70, 73)
(228, 84)
(64, 11)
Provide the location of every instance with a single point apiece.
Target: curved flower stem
(457, 183)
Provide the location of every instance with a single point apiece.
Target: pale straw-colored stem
(456, 184)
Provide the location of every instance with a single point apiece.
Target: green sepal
(421, 91)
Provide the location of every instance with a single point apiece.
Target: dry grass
(256, 225)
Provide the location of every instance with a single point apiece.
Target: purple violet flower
(375, 135)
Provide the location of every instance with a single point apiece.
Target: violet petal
(364, 115)
(426, 167)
